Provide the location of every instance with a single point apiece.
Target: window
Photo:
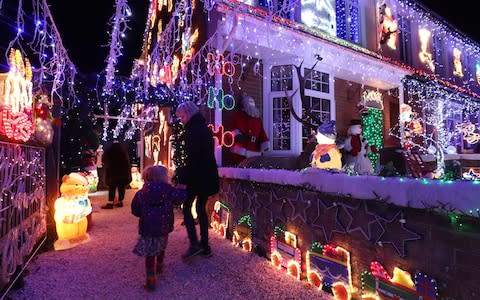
(318, 100)
(282, 8)
(282, 78)
(320, 14)
(320, 108)
(287, 135)
(281, 124)
(317, 81)
(453, 117)
(347, 20)
(438, 55)
(405, 40)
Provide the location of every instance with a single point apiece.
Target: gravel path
(106, 268)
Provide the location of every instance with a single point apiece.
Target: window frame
(320, 95)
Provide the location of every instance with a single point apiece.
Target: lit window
(281, 124)
(282, 78)
(317, 81)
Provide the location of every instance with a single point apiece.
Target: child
(153, 204)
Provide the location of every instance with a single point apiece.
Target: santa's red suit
(250, 137)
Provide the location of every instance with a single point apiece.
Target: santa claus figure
(250, 137)
(357, 148)
(326, 154)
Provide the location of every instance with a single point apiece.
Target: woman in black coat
(200, 175)
(117, 173)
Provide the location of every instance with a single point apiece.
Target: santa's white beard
(252, 111)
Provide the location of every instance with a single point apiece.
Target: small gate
(22, 208)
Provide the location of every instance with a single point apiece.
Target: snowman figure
(326, 154)
(357, 148)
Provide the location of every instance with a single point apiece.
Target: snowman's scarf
(323, 149)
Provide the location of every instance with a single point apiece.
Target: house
(389, 52)
(336, 60)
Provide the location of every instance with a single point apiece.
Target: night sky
(84, 24)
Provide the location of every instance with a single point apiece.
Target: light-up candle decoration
(16, 99)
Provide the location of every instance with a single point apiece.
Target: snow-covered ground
(106, 268)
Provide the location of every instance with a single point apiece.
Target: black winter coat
(200, 173)
(153, 204)
(117, 166)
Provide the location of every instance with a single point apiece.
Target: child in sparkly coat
(153, 204)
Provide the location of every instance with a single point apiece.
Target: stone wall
(444, 247)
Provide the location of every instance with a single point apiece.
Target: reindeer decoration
(309, 116)
(326, 154)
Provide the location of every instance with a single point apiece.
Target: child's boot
(151, 281)
(160, 257)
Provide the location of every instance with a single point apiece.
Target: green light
(372, 130)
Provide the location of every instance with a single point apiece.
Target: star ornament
(363, 220)
(300, 207)
(397, 234)
(246, 201)
(329, 221)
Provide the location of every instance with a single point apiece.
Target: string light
(119, 26)
(373, 132)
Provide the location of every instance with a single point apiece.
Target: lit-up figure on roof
(388, 27)
(425, 57)
(478, 73)
(457, 63)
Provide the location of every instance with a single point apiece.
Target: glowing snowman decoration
(326, 154)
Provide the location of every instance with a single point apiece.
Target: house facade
(396, 51)
(336, 60)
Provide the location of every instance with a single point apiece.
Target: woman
(117, 173)
(200, 175)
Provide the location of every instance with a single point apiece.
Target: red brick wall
(433, 245)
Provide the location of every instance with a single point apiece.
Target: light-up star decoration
(425, 56)
(188, 40)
